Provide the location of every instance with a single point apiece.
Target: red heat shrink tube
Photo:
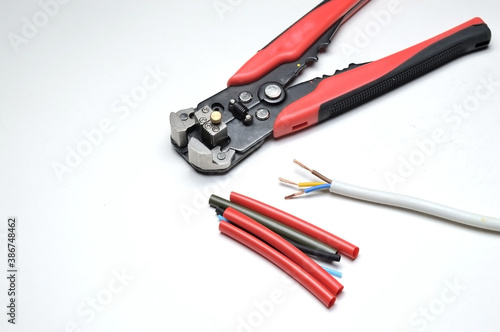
(287, 249)
(280, 260)
(344, 247)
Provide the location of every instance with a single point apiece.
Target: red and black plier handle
(261, 100)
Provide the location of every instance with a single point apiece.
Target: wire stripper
(261, 100)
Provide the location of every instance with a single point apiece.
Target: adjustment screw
(248, 120)
(262, 114)
(245, 97)
(216, 117)
(273, 91)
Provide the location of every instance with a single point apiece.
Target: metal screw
(207, 125)
(248, 120)
(273, 91)
(184, 116)
(205, 109)
(262, 114)
(216, 117)
(221, 156)
(245, 97)
(215, 129)
(203, 120)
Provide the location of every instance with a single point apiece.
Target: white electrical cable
(416, 204)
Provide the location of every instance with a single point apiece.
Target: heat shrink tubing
(270, 238)
(282, 254)
(343, 247)
(285, 231)
(315, 253)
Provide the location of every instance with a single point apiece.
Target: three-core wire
(398, 200)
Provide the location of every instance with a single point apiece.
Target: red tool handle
(296, 40)
(343, 91)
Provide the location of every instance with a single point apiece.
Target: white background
(123, 239)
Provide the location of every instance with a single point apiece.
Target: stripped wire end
(302, 165)
(313, 172)
(282, 180)
(297, 194)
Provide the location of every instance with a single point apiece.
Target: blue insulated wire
(315, 188)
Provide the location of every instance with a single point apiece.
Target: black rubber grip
(435, 55)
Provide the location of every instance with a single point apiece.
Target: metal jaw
(211, 130)
(261, 99)
(213, 139)
(225, 128)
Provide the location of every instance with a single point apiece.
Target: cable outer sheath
(276, 241)
(280, 260)
(273, 225)
(344, 247)
(416, 204)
